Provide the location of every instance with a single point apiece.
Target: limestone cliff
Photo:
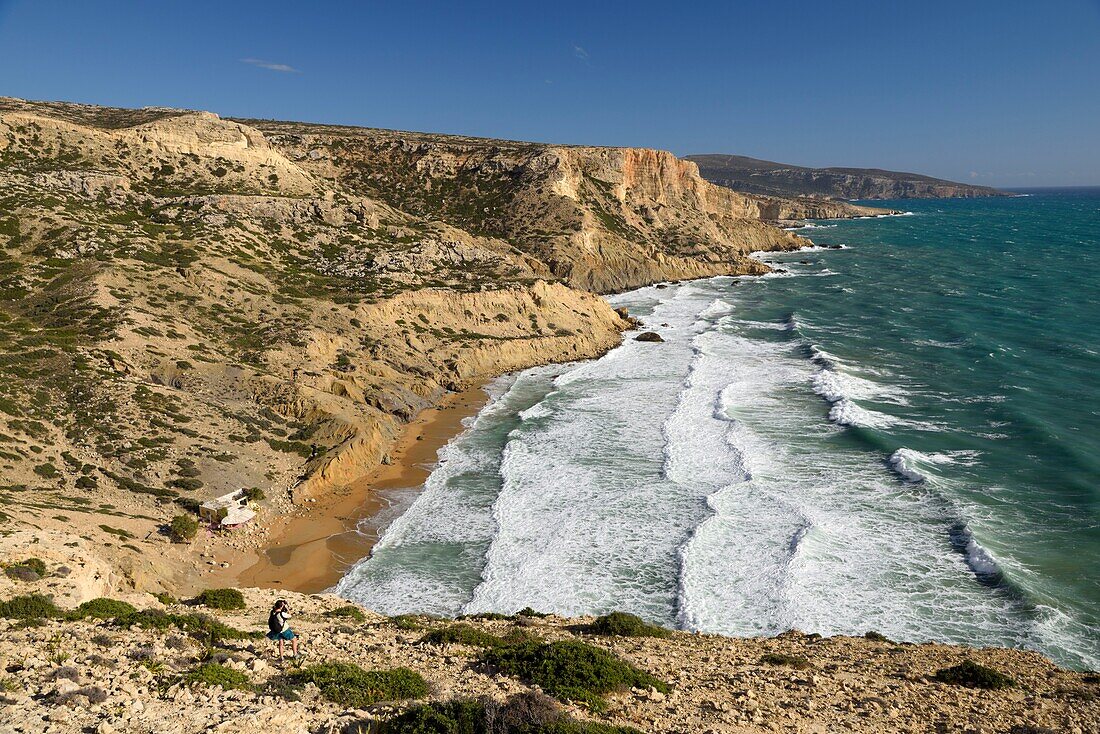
(603, 219)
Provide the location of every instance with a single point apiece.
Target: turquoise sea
(901, 435)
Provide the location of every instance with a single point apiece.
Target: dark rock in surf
(648, 336)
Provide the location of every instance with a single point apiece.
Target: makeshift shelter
(228, 511)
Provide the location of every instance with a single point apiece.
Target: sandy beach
(311, 551)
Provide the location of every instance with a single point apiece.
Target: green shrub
(183, 528)
(529, 612)
(165, 598)
(349, 685)
(205, 629)
(525, 713)
(626, 625)
(46, 471)
(448, 717)
(254, 494)
(972, 675)
(225, 599)
(791, 661)
(215, 674)
(31, 606)
(35, 564)
(187, 484)
(22, 573)
(570, 670)
(875, 636)
(347, 612)
(103, 608)
(407, 622)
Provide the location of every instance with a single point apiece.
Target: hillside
(190, 305)
(753, 176)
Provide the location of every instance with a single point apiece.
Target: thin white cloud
(284, 68)
(580, 53)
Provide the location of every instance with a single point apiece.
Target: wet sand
(310, 552)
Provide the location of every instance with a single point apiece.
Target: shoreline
(309, 552)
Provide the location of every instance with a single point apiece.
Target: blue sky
(1003, 93)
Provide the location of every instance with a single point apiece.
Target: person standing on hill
(278, 625)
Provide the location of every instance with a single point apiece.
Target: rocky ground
(93, 675)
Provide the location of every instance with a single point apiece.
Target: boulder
(648, 336)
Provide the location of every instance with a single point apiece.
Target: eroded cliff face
(603, 219)
(190, 305)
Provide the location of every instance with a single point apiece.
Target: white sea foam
(693, 482)
(917, 466)
(847, 412)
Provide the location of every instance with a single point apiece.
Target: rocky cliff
(190, 305)
(753, 176)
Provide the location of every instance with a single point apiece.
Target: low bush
(186, 484)
(254, 494)
(165, 598)
(407, 622)
(876, 636)
(349, 611)
(790, 661)
(31, 606)
(22, 573)
(529, 612)
(626, 625)
(526, 713)
(183, 528)
(349, 685)
(225, 599)
(92, 694)
(203, 628)
(103, 608)
(570, 670)
(972, 675)
(35, 564)
(215, 674)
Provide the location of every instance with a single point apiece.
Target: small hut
(228, 511)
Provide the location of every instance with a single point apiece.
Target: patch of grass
(790, 661)
(626, 625)
(349, 685)
(31, 606)
(347, 612)
(103, 608)
(973, 675)
(570, 670)
(226, 599)
(215, 674)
